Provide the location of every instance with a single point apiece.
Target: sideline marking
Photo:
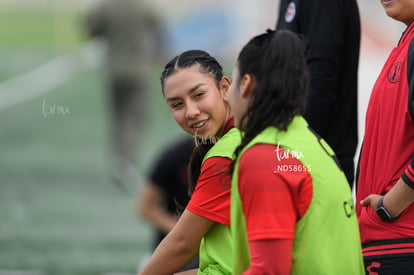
(48, 76)
(37, 82)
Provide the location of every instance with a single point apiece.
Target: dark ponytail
(275, 60)
(208, 65)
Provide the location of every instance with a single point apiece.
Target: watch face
(383, 214)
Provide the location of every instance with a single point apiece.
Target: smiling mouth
(199, 125)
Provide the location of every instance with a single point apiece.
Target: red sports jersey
(289, 194)
(211, 197)
(389, 141)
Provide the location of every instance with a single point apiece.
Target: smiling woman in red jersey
(196, 92)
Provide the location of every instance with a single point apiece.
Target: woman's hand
(371, 200)
(395, 201)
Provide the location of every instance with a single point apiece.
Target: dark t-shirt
(170, 175)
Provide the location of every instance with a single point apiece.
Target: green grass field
(60, 213)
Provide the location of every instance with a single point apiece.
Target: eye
(198, 95)
(176, 105)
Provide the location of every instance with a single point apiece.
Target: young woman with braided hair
(195, 89)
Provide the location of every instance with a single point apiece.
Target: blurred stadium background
(59, 212)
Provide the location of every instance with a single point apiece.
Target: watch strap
(383, 212)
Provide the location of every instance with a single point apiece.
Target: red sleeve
(276, 190)
(211, 198)
(277, 259)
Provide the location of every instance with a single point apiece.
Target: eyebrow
(191, 90)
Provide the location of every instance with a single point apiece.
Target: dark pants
(127, 114)
(390, 266)
(389, 257)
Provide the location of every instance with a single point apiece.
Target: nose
(192, 110)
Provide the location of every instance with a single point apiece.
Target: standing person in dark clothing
(331, 29)
(132, 33)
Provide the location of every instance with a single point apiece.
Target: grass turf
(60, 213)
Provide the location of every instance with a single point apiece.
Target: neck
(223, 130)
(408, 23)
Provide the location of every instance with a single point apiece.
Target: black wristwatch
(383, 212)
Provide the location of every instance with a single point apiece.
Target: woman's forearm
(169, 257)
(398, 198)
(180, 245)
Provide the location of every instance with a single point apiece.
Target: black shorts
(389, 257)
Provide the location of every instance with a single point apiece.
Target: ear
(246, 86)
(224, 86)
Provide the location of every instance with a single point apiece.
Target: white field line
(36, 82)
(46, 77)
